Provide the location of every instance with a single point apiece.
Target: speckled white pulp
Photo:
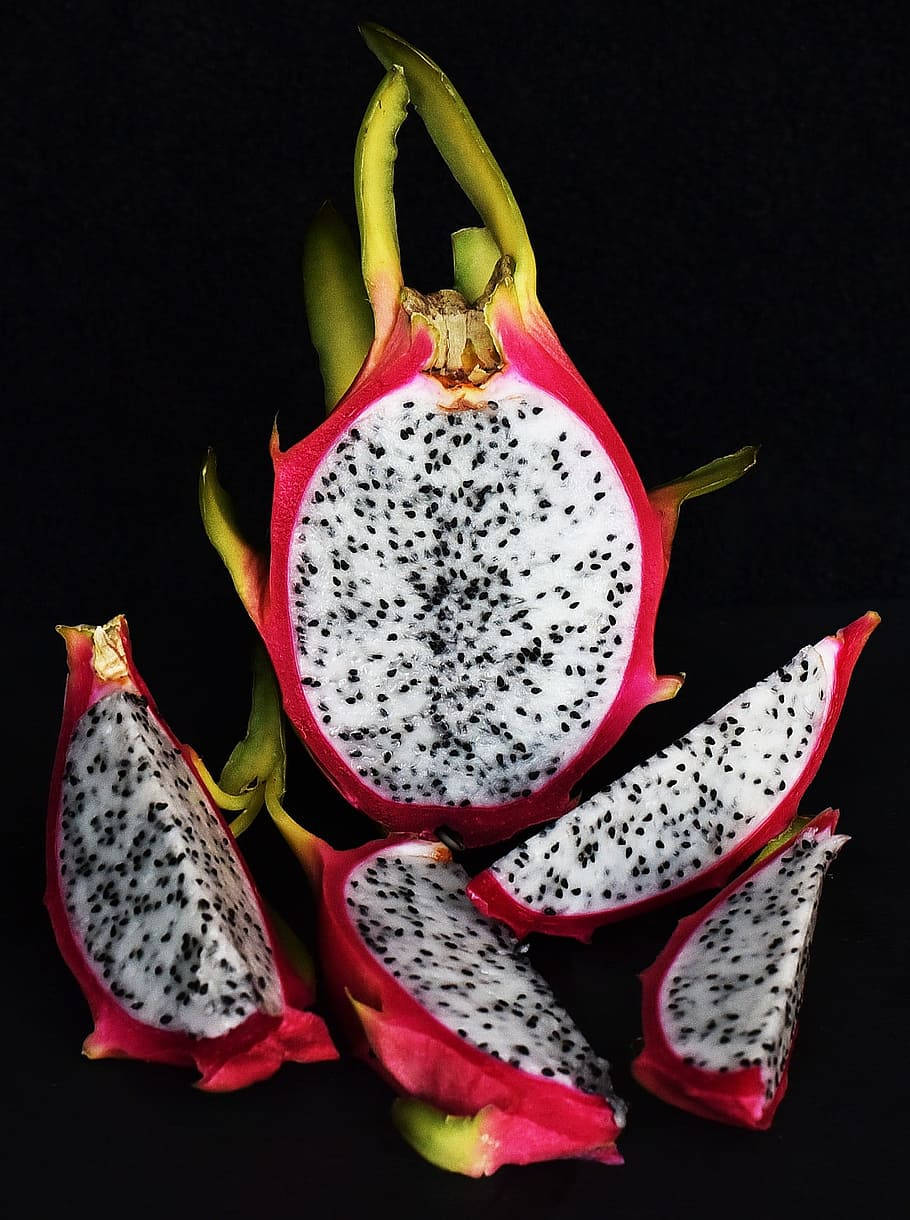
(466, 971)
(731, 996)
(464, 587)
(670, 818)
(151, 883)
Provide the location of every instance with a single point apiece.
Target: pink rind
(488, 895)
(250, 1052)
(736, 1097)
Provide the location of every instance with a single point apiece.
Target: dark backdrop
(716, 194)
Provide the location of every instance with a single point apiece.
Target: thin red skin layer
(736, 1097)
(534, 1119)
(541, 360)
(253, 1050)
(511, 1140)
(488, 895)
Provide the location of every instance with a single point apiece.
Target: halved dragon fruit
(442, 1002)
(151, 904)
(720, 1004)
(465, 567)
(683, 820)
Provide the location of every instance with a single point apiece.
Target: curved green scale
(720, 473)
(254, 768)
(800, 822)
(337, 309)
(464, 150)
(374, 175)
(669, 498)
(475, 256)
(228, 802)
(261, 753)
(445, 1140)
(258, 765)
(246, 566)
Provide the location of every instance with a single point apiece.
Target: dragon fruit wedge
(720, 1004)
(442, 1003)
(465, 567)
(684, 819)
(152, 907)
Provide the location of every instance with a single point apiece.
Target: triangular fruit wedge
(151, 903)
(684, 819)
(720, 1004)
(442, 1002)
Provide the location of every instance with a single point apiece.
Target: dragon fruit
(151, 904)
(465, 567)
(491, 1070)
(721, 1002)
(684, 819)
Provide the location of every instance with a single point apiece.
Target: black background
(715, 194)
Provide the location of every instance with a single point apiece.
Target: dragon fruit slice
(465, 567)
(720, 1004)
(442, 1002)
(683, 820)
(152, 907)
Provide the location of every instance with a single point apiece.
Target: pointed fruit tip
(366, 1014)
(857, 633)
(668, 687)
(372, 29)
(208, 477)
(94, 1047)
(108, 644)
(871, 619)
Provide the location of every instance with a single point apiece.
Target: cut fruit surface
(682, 820)
(460, 603)
(720, 1004)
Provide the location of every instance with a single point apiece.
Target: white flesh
(464, 588)
(151, 883)
(676, 814)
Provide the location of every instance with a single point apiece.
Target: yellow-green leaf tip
(445, 1140)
